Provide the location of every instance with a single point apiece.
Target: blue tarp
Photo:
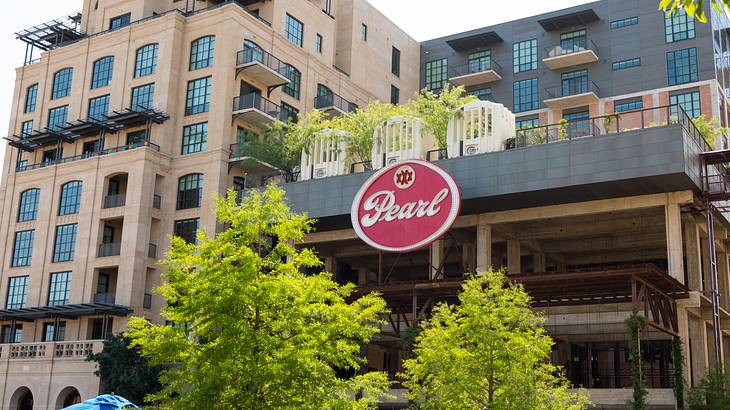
(104, 402)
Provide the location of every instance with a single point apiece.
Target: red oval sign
(405, 206)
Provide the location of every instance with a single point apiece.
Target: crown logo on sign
(404, 177)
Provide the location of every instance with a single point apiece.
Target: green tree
(436, 110)
(694, 8)
(124, 371)
(488, 352)
(712, 392)
(253, 331)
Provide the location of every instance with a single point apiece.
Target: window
(682, 66)
(31, 96)
(479, 61)
(318, 43)
(57, 117)
(59, 288)
(190, 191)
(575, 82)
(617, 24)
(289, 112)
(295, 79)
(524, 56)
(484, 94)
(62, 83)
(573, 41)
(146, 61)
(50, 156)
(187, 229)
(678, 26)
(525, 95)
(65, 243)
(70, 198)
(578, 124)
(394, 95)
(53, 333)
(523, 123)
(623, 106)
(28, 205)
(436, 74)
(17, 292)
(624, 64)
(142, 97)
(26, 128)
(201, 53)
(101, 329)
(120, 21)
(198, 98)
(12, 333)
(363, 32)
(136, 137)
(102, 72)
(99, 107)
(194, 138)
(395, 61)
(89, 148)
(690, 103)
(23, 248)
(293, 30)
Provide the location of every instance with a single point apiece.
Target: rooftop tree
(248, 329)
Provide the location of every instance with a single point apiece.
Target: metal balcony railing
(114, 201)
(475, 67)
(572, 46)
(575, 86)
(108, 298)
(43, 164)
(109, 249)
(333, 100)
(255, 101)
(257, 55)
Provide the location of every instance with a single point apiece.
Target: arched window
(28, 206)
(62, 83)
(252, 52)
(22, 399)
(102, 73)
(295, 80)
(146, 61)
(325, 96)
(201, 52)
(190, 191)
(70, 198)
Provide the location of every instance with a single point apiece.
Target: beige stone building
(121, 133)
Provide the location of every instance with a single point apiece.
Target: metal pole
(715, 295)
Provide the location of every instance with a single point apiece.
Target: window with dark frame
(436, 73)
(28, 205)
(31, 96)
(318, 43)
(120, 21)
(17, 292)
(293, 30)
(12, 333)
(689, 101)
(524, 55)
(143, 97)
(190, 191)
(394, 95)
(64, 243)
(630, 21)
(198, 96)
(364, 32)
(624, 64)
(395, 61)
(678, 26)
(54, 331)
(526, 96)
(187, 229)
(202, 51)
(292, 89)
(57, 117)
(682, 66)
(70, 198)
(26, 128)
(59, 288)
(194, 139)
(23, 248)
(291, 113)
(102, 72)
(62, 81)
(145, 62)
(484, 94)
(99, 107)
(623, 106)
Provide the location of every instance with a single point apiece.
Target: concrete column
(468, 257)
(484, 247)
(513, 257)
(692, 252)
(673, 226)
(330, 265)
(437, 254)
(683, 324)
(362, 276)
(699, 348)
(722, 279)
(540, 262)
(706, 280)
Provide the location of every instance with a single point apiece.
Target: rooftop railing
(567, 47)
(475, 67)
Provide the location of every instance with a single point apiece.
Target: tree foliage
(636, 324)
(124, 371)
(712, 392)
(488, 352)
(253, 332)
(694, 8)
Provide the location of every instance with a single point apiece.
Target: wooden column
(484, 247)
(692, 251)
(513, 257)
(540, 262)
(673, 227)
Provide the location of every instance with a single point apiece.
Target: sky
(422, 19)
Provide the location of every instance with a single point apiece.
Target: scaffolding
(50, 35)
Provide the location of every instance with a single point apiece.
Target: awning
(66, 312)
(578, 18)
(475, 41)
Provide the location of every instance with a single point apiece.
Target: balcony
(475, 73)
(333, 105)
(255, 109)
(106, 298)
(572, 94)
(114, 201)
(109, 249)
(253, 157)
(44, 164)
(568, 54)
(78, 350)
(261, 66)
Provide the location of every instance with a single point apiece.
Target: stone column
(692, 252)
(673, 226)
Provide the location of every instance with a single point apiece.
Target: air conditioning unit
(479, 127)
(400, 138)
(326, 156)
